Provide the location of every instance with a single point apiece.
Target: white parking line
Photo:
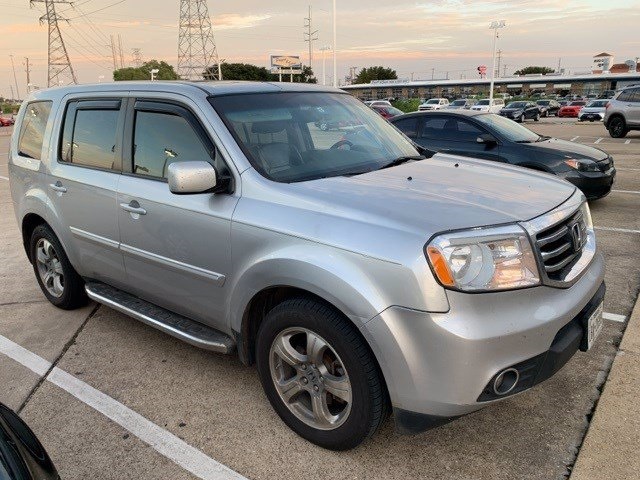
(613, 229)
(575, 138)
(4, 178)
(599, 140)
(614, 317)
(628, 169)
(635, 192)
(164, 442)
(627, 142)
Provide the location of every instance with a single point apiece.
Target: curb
(610, 448)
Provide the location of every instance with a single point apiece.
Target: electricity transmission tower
(196, 46)
(310, 36)
(60, 69)
(137, 57)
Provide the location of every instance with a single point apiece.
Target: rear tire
(324, 354)
(617, 127)
(57, 278)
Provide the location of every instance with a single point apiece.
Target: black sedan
(548, 107)
(521, 111)
(22, 456)
(491, 137)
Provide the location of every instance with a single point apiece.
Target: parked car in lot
(220, 214)
(623, 112)
(371, 103)
(6, 121)
(485, 105)
(461, 103)
(572, 109)
(387, 112)
(593, 111)
(521, 111)
(548, 107)
(434, 104)
(22, 456)
(492, 137)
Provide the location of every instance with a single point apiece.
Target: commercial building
(583, 84)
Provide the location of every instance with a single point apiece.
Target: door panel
(84, 183)
(176, 248)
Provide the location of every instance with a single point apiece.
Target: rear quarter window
(34, 124)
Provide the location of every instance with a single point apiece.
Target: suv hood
(442, 193)
(566, 149)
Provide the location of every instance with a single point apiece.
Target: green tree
(249, 72)
(533, 69)
(166, 72)
(366, 75)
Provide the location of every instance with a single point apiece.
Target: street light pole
(335, 48)
(495, 25)
(323, 49)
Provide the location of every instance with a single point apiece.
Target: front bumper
(437, 365)
(594, 185)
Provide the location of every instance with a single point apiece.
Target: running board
(183, 328)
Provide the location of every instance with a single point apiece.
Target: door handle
(133, 207)
(57, 187)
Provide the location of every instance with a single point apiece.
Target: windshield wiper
(524, 141)
(400, 160)
(542, 138)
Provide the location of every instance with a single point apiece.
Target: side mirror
(192, 177)
(487, 139)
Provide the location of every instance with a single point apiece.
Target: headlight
(583, 165)
(498, 258)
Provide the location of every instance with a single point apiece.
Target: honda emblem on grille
(576, 236)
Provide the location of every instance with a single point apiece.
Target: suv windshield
(598, 103)
(483, 102)
(458, 103)
(298, 136)
(432, 101)
(508, 128)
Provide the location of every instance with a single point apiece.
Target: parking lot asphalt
(215, 406)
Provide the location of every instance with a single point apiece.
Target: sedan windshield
(483, 102)
(459, 103)
(517, 105)
(543, 102)
(598, 103)
(577, 104)
(432, 101)
(298, 136)
(503, 127)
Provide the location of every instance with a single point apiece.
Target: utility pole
(137, 57)
(559, 63)
(60, 70)
(324, 49)
(499, 60)
(12, 96)
(504, 70)
(15, 79)
(196, 46)
(26, 59)
(495, 26)
(310, 36)
(120, 51)
(335, 46)
(113, 53)
(433, 72)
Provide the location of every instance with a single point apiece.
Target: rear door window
(32, 129)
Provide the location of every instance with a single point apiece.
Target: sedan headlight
(499, 258)
(583, 165)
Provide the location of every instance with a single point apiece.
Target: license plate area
(592, 326)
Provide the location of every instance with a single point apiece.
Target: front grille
(561, 245)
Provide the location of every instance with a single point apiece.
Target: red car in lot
(6, 121)
(387, 111)
(571, 110)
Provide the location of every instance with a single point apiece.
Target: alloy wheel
(49, 268)
(310, 378)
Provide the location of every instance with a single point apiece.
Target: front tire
(57, 278)
(537, 117)
(319, 374)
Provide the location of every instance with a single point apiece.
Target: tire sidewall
(612, 123)
(68, 299)
(356, 427)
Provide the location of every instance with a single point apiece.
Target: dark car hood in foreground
(444, 192)
(567, 149)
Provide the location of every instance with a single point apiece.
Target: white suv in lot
(361, 275)
(490, 106)
(434, 104)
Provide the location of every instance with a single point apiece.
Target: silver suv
(360, 276)
(623, 112)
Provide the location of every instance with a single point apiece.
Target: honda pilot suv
(623, 112)
(362, 276)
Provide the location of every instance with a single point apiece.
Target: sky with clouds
(412, 37)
